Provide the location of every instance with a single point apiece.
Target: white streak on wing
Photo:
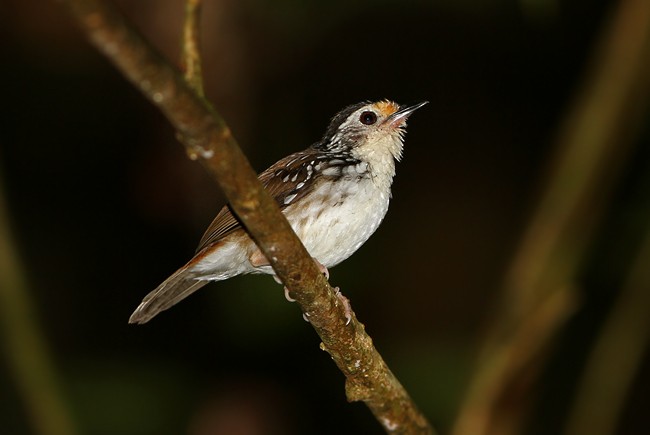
(333, 170)
(290, 198)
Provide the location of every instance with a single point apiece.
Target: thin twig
(28, 357)
(191, 55)
(208, 139)
(590, 151)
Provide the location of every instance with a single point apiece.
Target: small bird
(334, 194)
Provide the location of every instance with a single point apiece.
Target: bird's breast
(338, 216)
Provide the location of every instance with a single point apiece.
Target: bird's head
(371, 132)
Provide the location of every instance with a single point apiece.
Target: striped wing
(287, 181)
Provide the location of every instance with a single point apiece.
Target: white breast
(353, 210)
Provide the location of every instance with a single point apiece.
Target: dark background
(104, 205)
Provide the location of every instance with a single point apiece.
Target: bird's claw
(337, 291)
(287, 295)
(322, 269)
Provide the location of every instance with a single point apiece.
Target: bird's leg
(287, 296)
(258, 259)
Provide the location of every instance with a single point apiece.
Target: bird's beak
(398, 119)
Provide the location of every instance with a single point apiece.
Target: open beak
(398, 119)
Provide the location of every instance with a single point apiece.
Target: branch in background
(592, 146)
(208, 139)
(27, 355)
(617, 355)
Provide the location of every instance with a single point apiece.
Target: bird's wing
(287, 181)
(223, 224)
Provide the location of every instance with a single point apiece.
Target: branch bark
(208, 139)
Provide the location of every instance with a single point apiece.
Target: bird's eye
(368, 117)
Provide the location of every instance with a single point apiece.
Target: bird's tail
(175, 288)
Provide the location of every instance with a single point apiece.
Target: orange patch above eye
(386, 108)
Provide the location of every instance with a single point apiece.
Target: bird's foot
(346, 305)
(287, 295)
(322, 269)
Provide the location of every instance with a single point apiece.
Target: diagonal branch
(208, 139)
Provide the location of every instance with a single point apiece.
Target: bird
(334, 194)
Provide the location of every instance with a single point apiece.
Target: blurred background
(100, 204)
